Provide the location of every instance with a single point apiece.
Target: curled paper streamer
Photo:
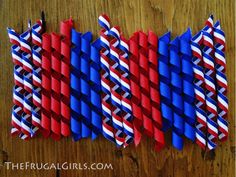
(55, 86)
(36, 32)
(209, 76)
(75, 85)
(125, 92)
(18, 90)
(95, 86)
(165, 78)
(115, 81)
(107, 128)
(188, 88)
(154, 90)
(144, 84)
(177, 100)
(219, 38)
(46, 85)
(65, 30)
(199, 89)
(84, 84)
(135, 87)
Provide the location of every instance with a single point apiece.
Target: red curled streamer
(154, 90)
(46, 85)
(55, 86)
(144, 84)
(65, 30)
(135, 88)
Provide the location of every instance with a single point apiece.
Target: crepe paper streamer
(199, 89)
(188, 87)
(135, 87)
(219, 39)
(55, 86)
(46, 85)
(108, 131)
(145, 85)
(126, 93)
(95, 88)
(115, 81)
(154, 90)
(65, 30)
(36, 33)
(177, 98)
(84, 85)
(165, 81)
(75, 85)
(209, 76)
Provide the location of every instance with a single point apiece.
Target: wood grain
(143, 161)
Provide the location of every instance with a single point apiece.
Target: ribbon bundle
(69, 85)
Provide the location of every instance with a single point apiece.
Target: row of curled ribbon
(67, 84)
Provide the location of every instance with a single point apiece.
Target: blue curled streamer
(165, 77)
(75, 85)
(188, 86)
(95, 90)
(84, 85)
(177, 101)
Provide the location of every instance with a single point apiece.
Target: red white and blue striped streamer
(219, 40)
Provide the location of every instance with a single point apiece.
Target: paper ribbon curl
(165, 78)
(209, 77)
(55, 86)
(75, 85)
(65, 30)
(108, 131)
(188, 87)
(115, 81)
(219, 38)
(46, 85)
(95, 80)
(125, 93)
(199, 89)
(177, 91)
(154, 90)
(84, 84)
(135, 87)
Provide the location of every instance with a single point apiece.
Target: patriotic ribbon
(154, 91)
(75, 85)
(55, 86)
(46, 85)
(95, 86)
(209, 77)
(37, 30)
(188, 88)
(135, 87)
(84, 84)
(165, 78)
(219, 38)
(177, 91)
(199, 89)
(108, 131)
(65, 30)
(115, 81)
(125, 92)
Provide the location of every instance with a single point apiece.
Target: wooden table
(143, 161)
